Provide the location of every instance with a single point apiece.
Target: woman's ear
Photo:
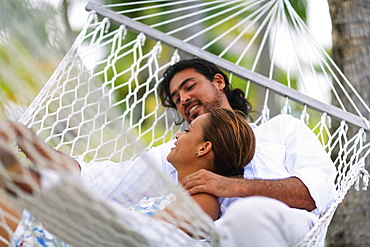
(219, 81)
(205, 148)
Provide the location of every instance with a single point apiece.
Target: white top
(285, 147)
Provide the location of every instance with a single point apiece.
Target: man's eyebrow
(181, 86)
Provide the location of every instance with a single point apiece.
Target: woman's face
(188, 143)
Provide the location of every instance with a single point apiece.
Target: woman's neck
(181, 173)
(187, 169)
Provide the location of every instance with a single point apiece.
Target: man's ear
(219, 81)
(205, 148)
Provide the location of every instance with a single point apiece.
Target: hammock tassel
(286, 108)
(175, 57)
(265, 113)
(364, 174)
(305, 117)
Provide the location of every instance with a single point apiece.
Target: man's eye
(191, 86)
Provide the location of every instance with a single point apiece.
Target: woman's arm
(11, 217)
(209, 203)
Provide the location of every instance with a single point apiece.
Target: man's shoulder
(281, 120)
(278, 127)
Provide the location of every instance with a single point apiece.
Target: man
(286, 184)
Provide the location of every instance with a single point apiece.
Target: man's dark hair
(236, 96)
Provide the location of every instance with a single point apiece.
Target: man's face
(194, 94)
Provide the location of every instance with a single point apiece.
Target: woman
(220, 141)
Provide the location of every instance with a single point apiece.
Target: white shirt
(285, 147)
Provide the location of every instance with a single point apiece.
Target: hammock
(101, 104)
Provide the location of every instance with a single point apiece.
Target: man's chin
(190, 119)
(194, 116)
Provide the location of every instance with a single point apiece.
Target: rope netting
(243, 32)
(101, 105)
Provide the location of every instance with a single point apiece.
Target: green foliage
(21, 77)
(300, 6)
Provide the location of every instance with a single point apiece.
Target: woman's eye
(186, 130)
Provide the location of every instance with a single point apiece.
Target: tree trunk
(351, 51)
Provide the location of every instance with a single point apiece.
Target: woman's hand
(13, 173)
(39, 153)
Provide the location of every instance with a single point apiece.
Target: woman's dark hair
(233, 141)
(236, 96)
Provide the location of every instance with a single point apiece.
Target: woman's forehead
(200, 120)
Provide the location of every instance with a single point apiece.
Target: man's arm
(287, 148)
(291, 190)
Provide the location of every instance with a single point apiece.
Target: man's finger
(196, 189)
(190, 184)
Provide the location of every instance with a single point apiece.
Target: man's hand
(291, 191)
(211, 183)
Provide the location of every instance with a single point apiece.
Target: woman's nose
(178, 134)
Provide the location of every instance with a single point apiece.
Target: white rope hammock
(101, 104)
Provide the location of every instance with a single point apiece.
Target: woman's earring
(196, 153)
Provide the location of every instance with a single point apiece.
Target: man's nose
(184, 98)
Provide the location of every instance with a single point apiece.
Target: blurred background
(34, 37)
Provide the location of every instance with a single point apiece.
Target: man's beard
(213, 104)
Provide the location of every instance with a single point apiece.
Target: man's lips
(191, 108)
